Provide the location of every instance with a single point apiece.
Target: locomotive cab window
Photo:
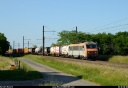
(91, 46)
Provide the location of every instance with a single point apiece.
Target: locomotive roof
(83, 43)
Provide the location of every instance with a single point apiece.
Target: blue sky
(26, 18)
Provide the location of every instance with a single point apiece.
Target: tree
(34, 46)
(69, 37)
(4, 44)
(120, 43)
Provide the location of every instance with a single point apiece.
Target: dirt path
(50, 76)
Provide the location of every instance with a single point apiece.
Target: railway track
(98, 62)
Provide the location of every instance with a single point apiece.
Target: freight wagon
(55, 51)
(64, 52)
(25, 50)
(38, 51)
(47, 51)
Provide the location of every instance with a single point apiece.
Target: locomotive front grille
(92, 54)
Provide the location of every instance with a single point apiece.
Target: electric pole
(13, 45)
(76, 35)
(18, 45)
(44, 38)
(43, 41)
(28, 44)
(23, 44)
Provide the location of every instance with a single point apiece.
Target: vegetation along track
(98, 62)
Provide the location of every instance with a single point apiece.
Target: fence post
(19, 64)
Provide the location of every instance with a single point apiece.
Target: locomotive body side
(87, 50)
(77, 51)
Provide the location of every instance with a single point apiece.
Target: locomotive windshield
(91, 46)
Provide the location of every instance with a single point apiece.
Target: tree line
(108, 43)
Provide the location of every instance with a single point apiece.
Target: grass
(103, 75)
(5, 63)
(24, 73)
(119, 59)
(110, 58)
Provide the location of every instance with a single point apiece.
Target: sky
(26, 18)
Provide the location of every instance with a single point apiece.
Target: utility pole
(13, 45)
(28, 44)
(76, 35)
(18, 45)
(43, 41)
(44, 38)
(23, 44)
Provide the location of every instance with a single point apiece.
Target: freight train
(86, 50)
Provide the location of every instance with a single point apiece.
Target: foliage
(68, 37)
(4, 44)
(34, 46)
(108, 44)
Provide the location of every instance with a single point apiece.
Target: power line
(112, 27)
(108, 24)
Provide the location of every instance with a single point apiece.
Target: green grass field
(100, 74)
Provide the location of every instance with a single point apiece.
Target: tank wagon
(55, 50)
(64, 52)
(38, 51)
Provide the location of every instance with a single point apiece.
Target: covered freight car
(25, 50)
(19, 51)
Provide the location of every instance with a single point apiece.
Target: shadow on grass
(19, 74)
(14, 55)
(17, 78)
(104, 57)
